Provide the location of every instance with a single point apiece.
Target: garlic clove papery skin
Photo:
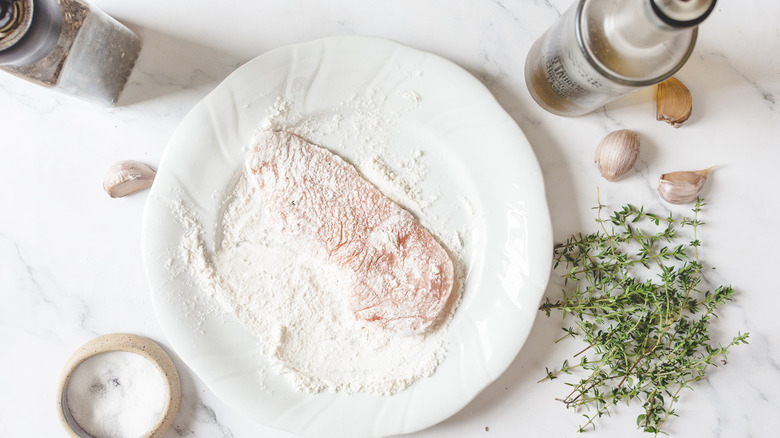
(682, 187)
(617, 153)
(674, 103)
(126, 177)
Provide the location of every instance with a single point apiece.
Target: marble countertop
(70, 257)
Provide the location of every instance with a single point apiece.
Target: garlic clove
(617, 153)
(682, 187)
(673, 102)
(127, 177)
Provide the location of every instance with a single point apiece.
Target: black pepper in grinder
(67, 45)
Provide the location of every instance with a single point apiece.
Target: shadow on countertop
(169, 64)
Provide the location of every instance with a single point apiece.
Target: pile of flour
(294, 303)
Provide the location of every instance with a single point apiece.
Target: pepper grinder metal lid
(28, 30)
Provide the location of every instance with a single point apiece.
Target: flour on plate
(294, 303)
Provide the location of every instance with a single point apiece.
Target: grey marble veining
(70, 257)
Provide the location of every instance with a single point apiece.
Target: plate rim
(544, 232)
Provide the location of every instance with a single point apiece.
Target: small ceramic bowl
(132, 344)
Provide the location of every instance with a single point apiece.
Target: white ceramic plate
(476, 151)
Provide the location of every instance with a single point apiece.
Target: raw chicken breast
(403, 277)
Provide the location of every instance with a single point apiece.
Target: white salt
(116, 394)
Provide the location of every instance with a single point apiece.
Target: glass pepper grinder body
(601, 50)
(67, 45)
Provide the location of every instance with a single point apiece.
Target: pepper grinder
(67, 45)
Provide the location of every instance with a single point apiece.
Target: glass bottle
(67, 45)
(601, 50)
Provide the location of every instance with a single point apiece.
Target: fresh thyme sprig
(636, 299)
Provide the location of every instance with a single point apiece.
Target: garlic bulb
(617, 153)
(127, 177)
(673, 102)
(682, 187)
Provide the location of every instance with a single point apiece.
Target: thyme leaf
(633, 292)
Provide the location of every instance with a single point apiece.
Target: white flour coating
(293, 303)
(363, 127)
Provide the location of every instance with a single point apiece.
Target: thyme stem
(635, 292)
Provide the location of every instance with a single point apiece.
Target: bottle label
(564, 83)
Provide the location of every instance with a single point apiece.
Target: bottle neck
(682, 13)
(629, 43)
(648, 23)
